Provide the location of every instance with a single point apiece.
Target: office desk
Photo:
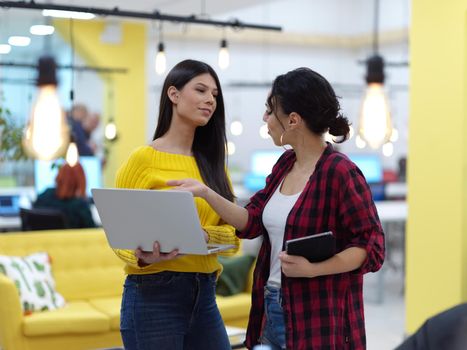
(392, 211)
(13, 223)
(389, 212)
(10, 223)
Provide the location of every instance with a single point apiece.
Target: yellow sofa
(90, 277)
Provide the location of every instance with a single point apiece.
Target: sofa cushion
(234, 276)
(76, 317)
(32, 276)
(110, 307)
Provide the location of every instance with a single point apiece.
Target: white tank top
(275, 215)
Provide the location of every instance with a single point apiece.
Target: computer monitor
(261, 166)
(44, 175)
(371, 166)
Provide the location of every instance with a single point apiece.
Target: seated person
(69, 197)
(446, 330)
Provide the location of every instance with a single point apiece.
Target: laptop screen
(9, 205)
(370, 165)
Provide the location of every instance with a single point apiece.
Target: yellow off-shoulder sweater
(148, 168)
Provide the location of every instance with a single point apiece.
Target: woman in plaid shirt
(311, 189)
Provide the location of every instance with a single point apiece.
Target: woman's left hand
(296, 266)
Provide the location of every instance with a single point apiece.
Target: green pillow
(234, 277)
(32, 276)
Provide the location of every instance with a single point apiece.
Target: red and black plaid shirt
(324, 312)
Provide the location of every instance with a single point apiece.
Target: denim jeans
(274, 327)
(171, 310)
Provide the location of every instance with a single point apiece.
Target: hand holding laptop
(154, 256)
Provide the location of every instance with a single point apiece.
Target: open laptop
(137, 218)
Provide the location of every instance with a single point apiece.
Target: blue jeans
(274, 327)
(171, 310)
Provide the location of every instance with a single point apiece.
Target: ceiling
(17, 21)
(176, 7)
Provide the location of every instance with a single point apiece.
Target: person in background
(94, 135)
(312, 188)
(78, 114)
(169, 300)
(69, 196)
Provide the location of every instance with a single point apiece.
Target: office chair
(42, 219)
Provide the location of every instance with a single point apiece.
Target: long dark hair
(309, 94)
(209, 142)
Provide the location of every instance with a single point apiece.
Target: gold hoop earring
(282, 142)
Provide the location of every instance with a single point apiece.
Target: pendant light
(161, 59)
(72, 155)
(375, 126)
(47, 133)
(110, 130)
(224, 56)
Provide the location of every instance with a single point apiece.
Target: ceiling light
(41, 29)
(47, 134)
(236, 128)
(72, 155)
(110, 131)
(375, 126)
(19, 40)
(230, 148)
(161, 59)
(224, 56)
(68, 14)
(4, 49)
(388, 149)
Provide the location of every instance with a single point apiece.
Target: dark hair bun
(339, 126)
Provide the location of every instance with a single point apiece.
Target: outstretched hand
(148, 258)
(191, 185)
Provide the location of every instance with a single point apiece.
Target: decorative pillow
(32, 275)
(234, 277)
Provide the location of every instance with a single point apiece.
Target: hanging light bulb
(236, 128)
(110, 131)
(230, 148)
(388, 149)
(375, 119)
(47, 133)
(161, 60)
(224, 56)
(72, 154)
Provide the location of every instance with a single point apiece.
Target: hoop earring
(282, 142)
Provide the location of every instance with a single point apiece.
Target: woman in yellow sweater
(169, 300)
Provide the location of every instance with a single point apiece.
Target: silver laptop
(137, 218)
